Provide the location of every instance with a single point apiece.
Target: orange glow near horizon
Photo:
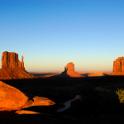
(60, 68)
(58, 65)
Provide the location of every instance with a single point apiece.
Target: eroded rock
(12, 99)
(118, 66)
(70, 70)
(12, 67)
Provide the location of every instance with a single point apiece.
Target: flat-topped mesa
(70, 68)
(12, 67)
(10, 61)
(118, 66)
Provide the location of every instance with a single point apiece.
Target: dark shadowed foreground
(78, 100)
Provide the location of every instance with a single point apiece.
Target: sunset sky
(51, 33)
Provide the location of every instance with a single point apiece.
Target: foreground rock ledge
(12, 99)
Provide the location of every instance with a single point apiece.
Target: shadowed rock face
(118, 66)
(70, 68)
(12, 67)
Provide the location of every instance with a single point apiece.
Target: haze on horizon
(51, 33)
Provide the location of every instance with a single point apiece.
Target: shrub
(120, 93)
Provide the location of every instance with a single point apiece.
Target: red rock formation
(12, 98)
(96, 74)
(10, 60)
(12, 67)
(118, 66)
(71, 70)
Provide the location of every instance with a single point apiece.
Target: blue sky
(51, 33)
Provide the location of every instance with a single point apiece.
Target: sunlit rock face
(70, 68)
(12, 67)
(39, 101)
(96, 74)
(42, 101)
(11, 98)
(27, 112)
(118, 66)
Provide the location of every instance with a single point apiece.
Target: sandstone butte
(12, 99)
(70, 70)
(118, 66)
(12, 67)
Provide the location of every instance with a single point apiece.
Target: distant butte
(12, 67)
(70, 71)
(118, 66)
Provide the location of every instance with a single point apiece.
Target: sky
(51, 33)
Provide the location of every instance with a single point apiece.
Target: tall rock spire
(23, 62)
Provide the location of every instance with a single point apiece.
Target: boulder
(11, 98)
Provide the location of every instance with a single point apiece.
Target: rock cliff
(118, 66)
(12, 67)
(10, 60)
(70, 71)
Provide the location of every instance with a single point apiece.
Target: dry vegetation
(120, 93)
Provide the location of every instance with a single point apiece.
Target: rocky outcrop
(10, 60)
(12, 98)
(118, 66)
(96, 74)
(12, 67)
(70, 71)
